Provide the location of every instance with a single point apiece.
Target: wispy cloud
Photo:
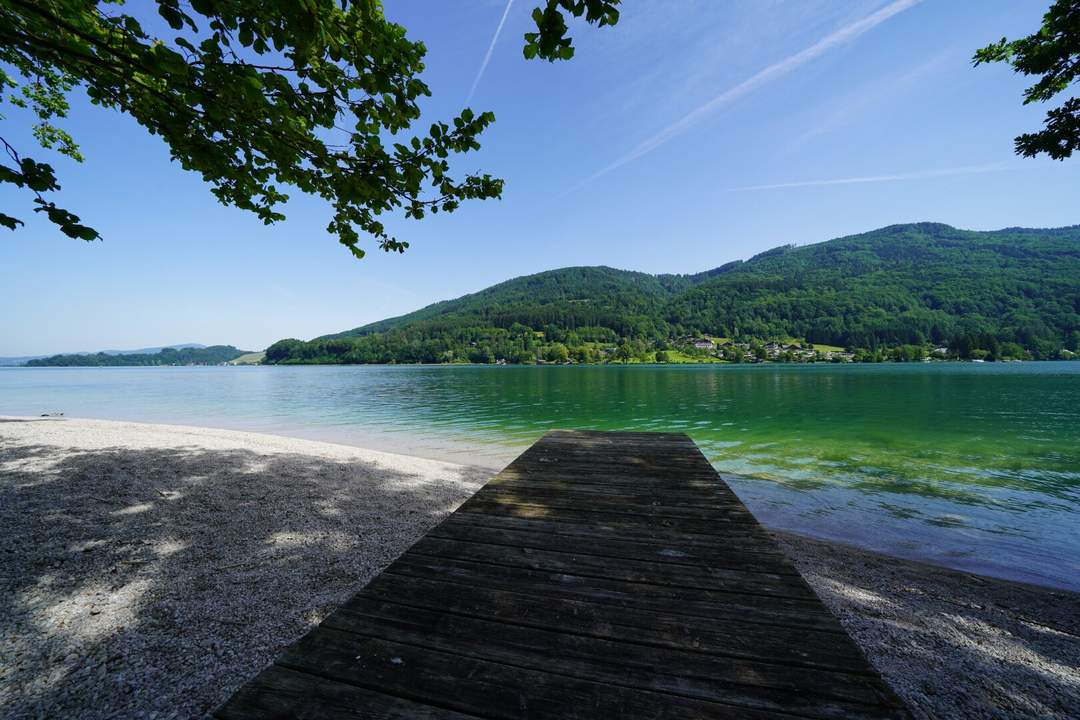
(922, 175)
(487, 56)
(881, 90)
(778, 69)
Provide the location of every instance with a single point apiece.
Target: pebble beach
(148, 571)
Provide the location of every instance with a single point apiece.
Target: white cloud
(922, 175)
(879, 91)
(846, 34)
(491, 48)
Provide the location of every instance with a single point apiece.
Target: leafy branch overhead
(1052, 54)
(551, 41)
(260, 97)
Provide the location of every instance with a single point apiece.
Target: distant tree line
(213, 355)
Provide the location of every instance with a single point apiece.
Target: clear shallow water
(972, 466)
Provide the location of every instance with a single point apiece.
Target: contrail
(491, 48)
(924, 175)
(843, 35)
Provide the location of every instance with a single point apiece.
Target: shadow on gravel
(160, 580)
(953, 644)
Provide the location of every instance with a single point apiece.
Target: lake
(975, 466)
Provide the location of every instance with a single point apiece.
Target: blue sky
(689, 135)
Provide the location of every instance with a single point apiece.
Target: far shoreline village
(702, 350)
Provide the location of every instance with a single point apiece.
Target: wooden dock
(600, 575)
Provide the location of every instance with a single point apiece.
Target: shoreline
(491, 458)
(635, 363)
(157, 567)
(323, 436)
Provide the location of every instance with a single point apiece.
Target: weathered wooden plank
(696, 490)
(611, 469)
(482, 687)
(746, 541)
(511, 502)
(779, 611)
(599, 575)
(621, 495)
(702, 523)
(762, 582)
(279, 693)
(723, 634)
(666, 462)
(672, 551)
(809, 691)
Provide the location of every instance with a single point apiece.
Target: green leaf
(1053, 55)
(10, 222)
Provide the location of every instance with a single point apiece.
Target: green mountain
(191, 355)
(922, 285)
(572, 297)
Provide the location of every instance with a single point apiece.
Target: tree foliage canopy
(258, 97)
(1053, 55)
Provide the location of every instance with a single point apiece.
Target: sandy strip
(149, 570)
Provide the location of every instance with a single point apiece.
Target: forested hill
(213, 355)
(572, 297)
(922, 284)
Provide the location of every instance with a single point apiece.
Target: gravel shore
(952, 644)
(147, 571)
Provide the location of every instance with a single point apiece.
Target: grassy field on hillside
(249, 359)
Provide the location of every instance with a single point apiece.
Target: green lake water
(975, 466)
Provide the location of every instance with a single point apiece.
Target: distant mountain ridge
(920, 284)
(149, 350)
(174, 355)
(610, 292)
(23, 359)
